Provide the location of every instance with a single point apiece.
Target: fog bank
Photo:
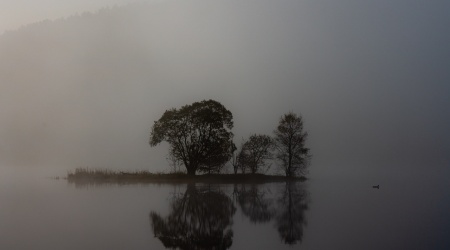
(369, 79)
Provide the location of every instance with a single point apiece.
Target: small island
(201, 140)
(102, 176)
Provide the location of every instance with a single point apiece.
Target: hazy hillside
(85, 90)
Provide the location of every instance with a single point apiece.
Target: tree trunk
(289, 169)
(190, 171)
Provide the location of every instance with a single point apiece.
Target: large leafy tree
(255, 152)
(199, 135)
(290, 139)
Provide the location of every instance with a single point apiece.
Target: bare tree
(235, 160)
(242, 161)
(174, 163)
(290, 143)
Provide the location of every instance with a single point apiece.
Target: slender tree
(242, 161)
(234, 160)
(199, 135)
(290, 143)
(174, 163)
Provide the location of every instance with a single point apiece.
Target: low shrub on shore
(105, 175)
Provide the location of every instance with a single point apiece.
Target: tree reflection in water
(254, 203)
(291, 216)
(288, 211)
(199, 219)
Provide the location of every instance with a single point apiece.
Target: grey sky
(370, 78)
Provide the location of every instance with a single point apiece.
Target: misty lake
(37, 212)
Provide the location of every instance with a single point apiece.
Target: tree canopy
(198, 134)
(255, 152)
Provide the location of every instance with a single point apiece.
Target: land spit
(85, 175)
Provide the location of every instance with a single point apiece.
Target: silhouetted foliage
(290, 143)
(291, 217)
(255, 152)
(199, 135)
(200, 219)
(254, 203)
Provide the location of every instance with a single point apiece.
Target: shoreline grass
(109, 176)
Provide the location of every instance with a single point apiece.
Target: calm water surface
(323, 213)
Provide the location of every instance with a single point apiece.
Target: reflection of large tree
(200, 219)
(291, 216)
(254, 203)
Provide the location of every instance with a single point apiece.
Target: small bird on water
(377, 186)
